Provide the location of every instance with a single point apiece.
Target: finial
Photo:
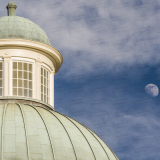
(11, 8)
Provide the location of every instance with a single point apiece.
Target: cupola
(28, 62)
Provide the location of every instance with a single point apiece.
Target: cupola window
(45, 83)
(22, 79)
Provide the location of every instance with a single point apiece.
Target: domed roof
(19, 27)
(34, 132)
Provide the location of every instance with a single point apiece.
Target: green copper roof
(34, 132)
(18, 27)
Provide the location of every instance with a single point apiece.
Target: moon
(152, 90)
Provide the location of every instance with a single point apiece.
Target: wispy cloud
(109, 49)
(110, 32)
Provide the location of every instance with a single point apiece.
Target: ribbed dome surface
(19, 27)
(36, 133)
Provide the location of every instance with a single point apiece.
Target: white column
(37, 78)
(7, 76)
(52, 88)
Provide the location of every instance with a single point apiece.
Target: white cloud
(104, 31)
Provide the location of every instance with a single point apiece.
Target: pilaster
(52, 88)
(7, 76)
(38, 79)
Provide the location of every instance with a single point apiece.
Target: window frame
(23, 60)
(44, 66)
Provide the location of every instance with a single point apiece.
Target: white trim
(49, 87)
(11, 81)
(22, 59)
(52, 89)
(2, 78)
(34, 81)
(48, 51)
(44, 65)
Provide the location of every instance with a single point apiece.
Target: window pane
(20, 65)
(0, 91)
(44, 90)
(19, 74)
(30, 84)
(25, 75)
(44, 98)
(44, 73)
(19, 83)
(41, 79)
(25, 66)
(1, 83)
(41, 97)
(47, 91)
(25, 84)
(14, 65)
(48, 84)
(25, 92)
(30, 67)
(14, 83)
(14, 91)
(20, 91)
(44, 81)
(30, 93)
(41, 71)
(0, 74)
(41, 88)
(30, 76)
(0, 65)
(14, 74)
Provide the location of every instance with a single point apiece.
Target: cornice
(52, 53)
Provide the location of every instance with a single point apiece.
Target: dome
(21, 28)
(39, 133)
(30, 128)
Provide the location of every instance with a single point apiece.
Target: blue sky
(111, 51)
